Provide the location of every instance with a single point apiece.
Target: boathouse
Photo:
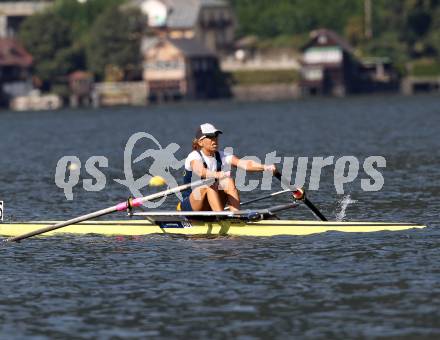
(329, 66)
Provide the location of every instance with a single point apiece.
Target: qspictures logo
(345, 169)
(1, 211)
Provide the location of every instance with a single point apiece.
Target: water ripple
(332, 285)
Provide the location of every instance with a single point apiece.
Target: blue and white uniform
(220, 162)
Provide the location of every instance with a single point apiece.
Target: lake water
(331, 285)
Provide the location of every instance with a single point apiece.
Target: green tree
(402, 30)
(82, 16)
(48, 38)
(354, 31)
(389, 44)
(115, 40)
(433, 37)
(280, 17)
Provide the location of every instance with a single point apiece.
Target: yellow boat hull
(260, 228)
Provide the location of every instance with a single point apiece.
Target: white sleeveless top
(211, 162)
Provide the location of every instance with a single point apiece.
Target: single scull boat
(260, 222)
(260, 228)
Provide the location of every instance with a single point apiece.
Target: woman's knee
(199, 194)
(227, 185)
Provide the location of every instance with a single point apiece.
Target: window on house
(163, 65)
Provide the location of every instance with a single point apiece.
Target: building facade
(212, 22)
(181, 69)
(15, 70)
(12, 14)
(328, 65)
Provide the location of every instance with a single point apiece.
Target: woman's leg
(227, 185)
(206, 198)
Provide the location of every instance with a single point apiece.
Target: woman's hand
(250, 165)
(270, 168)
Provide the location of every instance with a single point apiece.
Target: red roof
(12, 53)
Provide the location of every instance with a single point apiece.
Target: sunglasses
(210, 135)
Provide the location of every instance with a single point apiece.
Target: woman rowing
(205, 161)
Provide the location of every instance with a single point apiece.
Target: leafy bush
(426, 68)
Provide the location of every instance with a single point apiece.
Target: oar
(266, 197)
(263, 197)
(130, 203)
(300, 195)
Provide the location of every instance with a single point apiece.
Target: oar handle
(298, 193)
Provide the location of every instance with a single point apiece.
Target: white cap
(205, 130)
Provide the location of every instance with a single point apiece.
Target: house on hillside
(212, 22)
(15, 70)
(181, 68)
(329, 66)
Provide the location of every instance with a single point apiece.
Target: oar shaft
(118, 207)
(265, 197)
(63, 224)
(314, 209)
(262, 198)
(306, 201)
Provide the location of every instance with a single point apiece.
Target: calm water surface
(331, 285)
